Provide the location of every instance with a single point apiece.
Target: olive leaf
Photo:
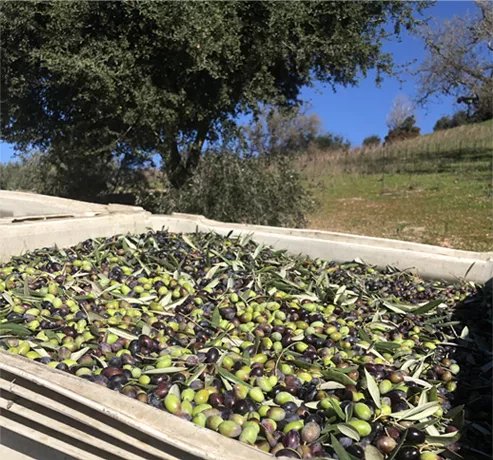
(165, 370)
(337, 376)
(418, 412)
(349, 431)
(340, 451)
(14, 329)
(373, 389)
(444, 439)
(231, 377)
(372, 453)
(331, 386)
(121, 333)
(428, 307)
(79, 354)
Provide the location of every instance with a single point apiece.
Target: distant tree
(459, 61)
(457, 119)
(406, 130)
(280, 131)
(372, 141)
(402, 109)
(330, 141)
(93, 80)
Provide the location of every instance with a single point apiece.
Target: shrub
(329, 141)
(406, 130)
(229, 188)
(372, 141)
(457, 119)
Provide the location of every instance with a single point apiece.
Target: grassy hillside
(436, 189)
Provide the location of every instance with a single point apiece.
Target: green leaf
(8, 298)
(340, 451)
(418, 412)
(373, 389)
(372, 453)
(349, 431)
(393, 307)
(27, 291)
(337, 408)
(331, 386)
(231, 377)
(216, 318)
(258, 250)
(443, 440)
(165, 370)
(363, 335)
(14, 329)
(337, 376)
(79, 354)
(121, 333)
(189, 241)
(428, 307)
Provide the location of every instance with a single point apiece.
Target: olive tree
(459, 60)
(88, 81)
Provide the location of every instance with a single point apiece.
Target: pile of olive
(298, 357)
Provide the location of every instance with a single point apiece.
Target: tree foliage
(457, 119)
(459, 61)
(372, 141)
(264, 190)
(280, 132)
(406, 130)
(93, 81)
(330, 141)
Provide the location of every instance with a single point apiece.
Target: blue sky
(357, 112)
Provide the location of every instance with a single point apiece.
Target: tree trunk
(177, 170)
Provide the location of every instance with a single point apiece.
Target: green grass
(445, 201)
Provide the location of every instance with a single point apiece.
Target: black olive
(290, 407)
(241, 407)
(408, 453)
(134, 347)
(356, 450)
(414, 436)
(178, 378)
(212, 356)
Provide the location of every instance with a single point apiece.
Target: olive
(276, 413)
(396, 377)
(310, 432)
(362, 411)
(249, 434)
(212, 356)
(356, 450)
(291, 439)
(399, 406)
(407, 453)
(414, 436)
(116, 382)
(385, 444)
(289, 407)
(396, 395)
(230, 429)
(361, 426)
(241, 406)
(289, 453)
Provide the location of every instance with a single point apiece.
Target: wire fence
(467, 151)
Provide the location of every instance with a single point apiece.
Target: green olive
(362, 411)
(361, 426)
(172, 403)
(230, 429)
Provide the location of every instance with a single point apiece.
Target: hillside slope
(435, 189)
